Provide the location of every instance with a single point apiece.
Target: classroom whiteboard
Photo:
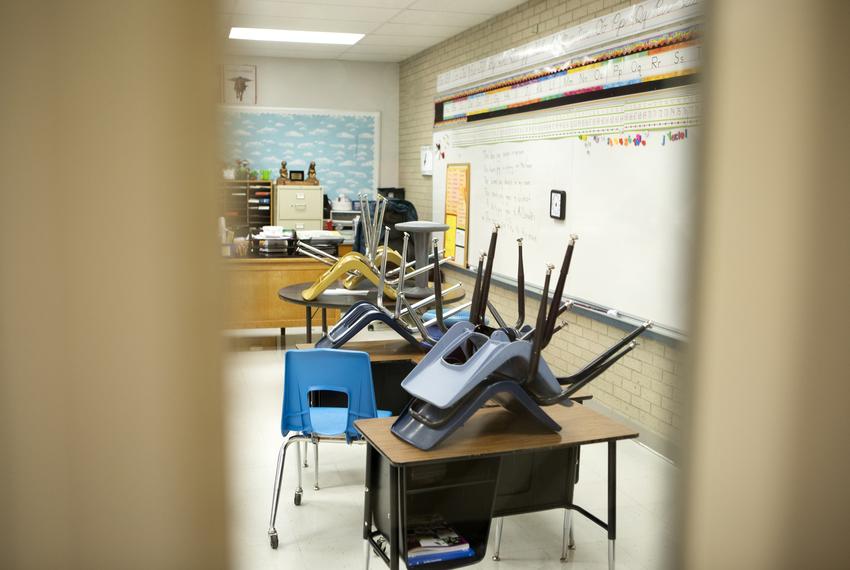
(627, 166)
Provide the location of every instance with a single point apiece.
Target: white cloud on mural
(341, 145)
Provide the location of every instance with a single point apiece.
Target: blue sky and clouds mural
(342, 144)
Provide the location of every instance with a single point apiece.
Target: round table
(422, 247)
(292, 294)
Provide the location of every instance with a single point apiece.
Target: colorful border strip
(672, 58)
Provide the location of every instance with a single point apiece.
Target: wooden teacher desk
(252, 286)
(497, 464)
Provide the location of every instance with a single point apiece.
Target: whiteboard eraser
(612, 313)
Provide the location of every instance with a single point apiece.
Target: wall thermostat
(557, 204)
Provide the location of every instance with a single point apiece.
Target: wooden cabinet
(252, 286)
(247, 205)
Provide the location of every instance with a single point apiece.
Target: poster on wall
(238, 84)
(343, 144)
(457, 212)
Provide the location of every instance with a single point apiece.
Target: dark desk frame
(392, 495)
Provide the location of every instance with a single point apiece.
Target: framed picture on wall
(238, 84)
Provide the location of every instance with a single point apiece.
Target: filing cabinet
(299, 207)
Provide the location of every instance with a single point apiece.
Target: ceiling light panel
(294, 36)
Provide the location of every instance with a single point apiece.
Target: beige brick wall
(645, 386)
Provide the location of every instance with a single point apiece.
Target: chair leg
(305, 454)
(316, 465)
(278, 481)
(566, 539)
(499, 522)
(368, 549)
(298, 490)
(572, 538)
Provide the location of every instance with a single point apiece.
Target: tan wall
(767, 480)
(646, 386)
(111, 451)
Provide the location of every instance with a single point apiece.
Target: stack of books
(435, 542)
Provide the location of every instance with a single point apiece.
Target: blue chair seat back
(326, 369)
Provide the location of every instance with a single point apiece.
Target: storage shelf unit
(247, 205)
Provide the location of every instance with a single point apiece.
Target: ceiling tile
(491, 7)
(313, 11)
(404, 51)
(432, 18)
(373, 58)
(395, 4)
(418, 30)
(420, 42)
(395, 29)
(313, 25)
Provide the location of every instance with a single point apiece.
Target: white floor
(325, 531)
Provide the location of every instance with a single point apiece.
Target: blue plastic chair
(328, 370)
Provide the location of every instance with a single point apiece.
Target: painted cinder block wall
(646, 386)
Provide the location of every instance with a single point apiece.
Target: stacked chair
(353, 267)
(404, 318)
(473, 363)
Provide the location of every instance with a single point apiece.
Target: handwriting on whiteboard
(508, 192)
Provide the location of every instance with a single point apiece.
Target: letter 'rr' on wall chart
(457, 211)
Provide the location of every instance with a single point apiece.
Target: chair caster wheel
(315, 487)
(297, 499)
(496, 558)
(273, 541)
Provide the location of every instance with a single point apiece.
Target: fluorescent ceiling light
(294, 36)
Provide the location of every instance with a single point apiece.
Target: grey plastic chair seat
(507, 392)
(462, 359)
